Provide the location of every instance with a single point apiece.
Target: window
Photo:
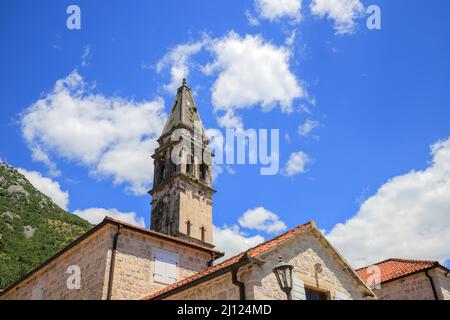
(165, 267)
(312, 294)
(188, 228)
(203, 169)
(162, 172)
(202, 232)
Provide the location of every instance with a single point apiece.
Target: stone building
(174, 259)
(401, 279)
(319, 272)
(114, 260)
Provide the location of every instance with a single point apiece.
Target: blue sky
(379, 102)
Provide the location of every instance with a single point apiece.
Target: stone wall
(181, 201)
(134, 267)
(196, 206)
(50, 283)
(442, 281)
(220, 288)
(413, 287)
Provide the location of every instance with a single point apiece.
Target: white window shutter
(298, 289)
(171, 268)
(341, 296)
(165, 267)
(159, 273)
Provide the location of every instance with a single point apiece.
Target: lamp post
(283, 273)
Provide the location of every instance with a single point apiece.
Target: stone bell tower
(182, 193)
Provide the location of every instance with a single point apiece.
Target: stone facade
(442, 281)
(133, 269)
(50, 282)
(304, 252)
(416, 287)
(220, 288)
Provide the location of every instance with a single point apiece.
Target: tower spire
(184, 112)
(182, 192)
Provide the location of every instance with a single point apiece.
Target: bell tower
(182, 192)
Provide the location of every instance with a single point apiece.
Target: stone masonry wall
(220, 288)
(414, 287)
(442, 281)
(51, 281)
(134, 267)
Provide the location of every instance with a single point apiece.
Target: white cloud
(47, 186)
(343, 12)
(232, 241)
(407, 217)
(96, 215)
(296, 163)
(252, 20)
(178, 61)
(53, 190)
(291, 38)
(306, 127)
(112, 136)
(262, 219)
(250, 72)
(230, 120)
(275, 9)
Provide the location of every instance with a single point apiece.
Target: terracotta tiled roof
(250, 253)
(397, 268)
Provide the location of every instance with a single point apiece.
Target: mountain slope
(32, 226)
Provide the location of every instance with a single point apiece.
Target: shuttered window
(165, 267)
(312, 294)
(298, 289)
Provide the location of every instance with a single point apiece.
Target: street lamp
(283, 272)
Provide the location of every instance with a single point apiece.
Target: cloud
(273, 10)
(53, 190)
(252, 20)
(407, 217)
(233, 241)
(47, 186)
(296, 163)
(250, 72)
(178, 61)
(112, 136)
(230, 120)
(262, 219)
(306, 127)
(343, 12)
(96, 215)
